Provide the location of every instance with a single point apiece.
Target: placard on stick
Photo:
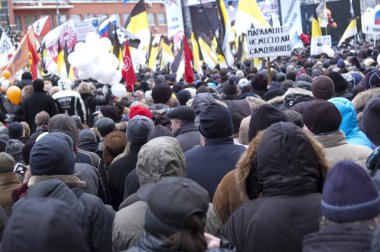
(269, 42)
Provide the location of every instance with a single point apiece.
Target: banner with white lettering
(291, 16)
(269, 42)
(317, 44)
(174, 20)
(6, 47)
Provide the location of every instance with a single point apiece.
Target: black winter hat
(52, 155)
(38, 85)
(183, 198)
(185, 113)
(15, 130)
(161, 93)
(322, 117)
(349, 194)
(263, 117)
(110, 111)
(183, 96)
(229, 88)
(159, 131)
(371, 120)
(215, 122)
(273, 93)
(340, 83)
(322, 87)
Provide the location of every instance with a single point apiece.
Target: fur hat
(114, 144)
(6, 162)
(349, 195)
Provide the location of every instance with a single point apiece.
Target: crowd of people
(230, 162)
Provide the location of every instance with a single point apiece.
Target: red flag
(41, 27)
(189, 75)
(33, 55)
(128, 73)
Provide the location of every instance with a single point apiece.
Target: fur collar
(69, 180)
(244, 164)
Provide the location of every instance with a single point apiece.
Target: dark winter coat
(209, 163)
(117, 173)
(188, 136)
(34, 104)
(132, 184)
(287, 176)
(348, 237)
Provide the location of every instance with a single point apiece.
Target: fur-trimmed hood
(281, 99)
(249, 171)
(362, 98)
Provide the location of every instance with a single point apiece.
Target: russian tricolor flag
(105, 25)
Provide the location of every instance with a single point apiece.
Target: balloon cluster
(93, 59)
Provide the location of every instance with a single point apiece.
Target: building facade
(22, 13)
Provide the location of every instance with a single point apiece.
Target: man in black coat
(208, 164)
(183, 127)
(38, 101)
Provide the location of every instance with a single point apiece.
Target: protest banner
(318, 42)
(174, 20)
(268, 42)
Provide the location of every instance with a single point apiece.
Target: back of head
(230, 89)
(26, 76)
(41, 117)
(259, 81)
(322, 117)
(38, 85)
(322, 87)
(161, 93)
(14, 148)
(105, 126)
(340, 83)
(184, 113)
(114, 144)
(160, 157)
(57, 229)
(372, 79)
(288, 162)
(6, 162)
(263, 117)
(139, 110)
(52, 155)
(159, 131)
(87, 136)
(110, 111)
(215, 121)
(138, 129)
(15, 130)
(371, 120)
(65, 124)
(349, 194)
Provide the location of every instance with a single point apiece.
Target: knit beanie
(14, 148)
(161, 93)
(371, 120)
(6, 163)
(183, 96)
(52, 155)
(340, 83)
(139, 110)
(263, 117)
(322, 117)
(322, 87)
(139, 128)
(215, 122)
(349, 194)
(105, 126)
(15, 130)
(229, 88)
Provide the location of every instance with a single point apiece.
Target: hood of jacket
(58, 230)
(201, 101)
(362, 98)
(160, 157)
(290, 91)
(281, 160)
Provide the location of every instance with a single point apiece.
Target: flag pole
(213, 31)
(269, 72)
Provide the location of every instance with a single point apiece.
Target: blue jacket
(349, 124)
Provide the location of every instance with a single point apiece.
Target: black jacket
(340, 237)
(208, 164)
(34, 104)
(188, 136)
(117, 173)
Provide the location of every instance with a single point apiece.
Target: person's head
(282, 160)
(180, 116)
(322, 87)
(14, 148)
(215, 121)
(259, 81)
(52, 154)
(44, 224)
(340, 83)
(38, 85)
(114, 144)
(26, 76)
(105, 126)
(160, 157)
(26, 128)
(230, 90)
(349, 194)
(139, 110)
(42, 118)
(110, 111)
(322, 117)
(138, 129)
(87, 136)
(263, 117)
(294, 117)
(179, 218)
(159, 131)
(371, 120)
(161, 93)
(65, 124)
(7, 163)
(15, 130)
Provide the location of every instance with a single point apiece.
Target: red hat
(139, 110)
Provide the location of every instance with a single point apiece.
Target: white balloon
(331, 53)
(84, 74)
(72, 58)
(119, 90)
(97, 72)
(105, 44)
(91, 38)
(79, 47)
(5, 84)
(116, 78)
